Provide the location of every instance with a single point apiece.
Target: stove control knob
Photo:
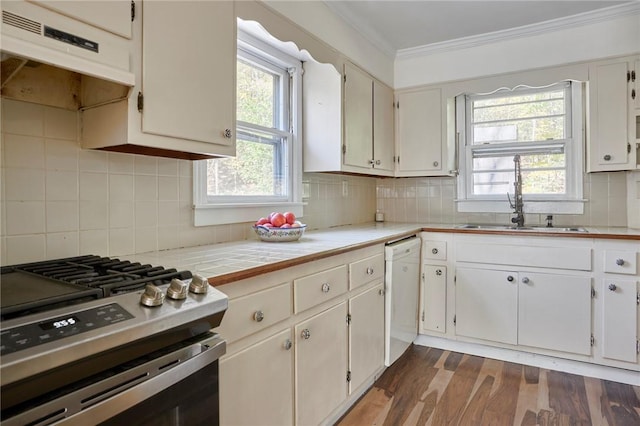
(177, 289)
(152, 296)
(199, 285)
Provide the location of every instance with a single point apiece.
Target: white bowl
(279, 234)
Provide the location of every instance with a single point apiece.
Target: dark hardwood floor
(428, 386)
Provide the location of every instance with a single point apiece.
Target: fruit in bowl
(279, 227)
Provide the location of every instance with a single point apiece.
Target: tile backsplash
(60, 200)
(433, 200)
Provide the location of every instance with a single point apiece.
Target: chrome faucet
(517, 205)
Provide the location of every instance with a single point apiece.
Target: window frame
(571, 202)
(226, 210)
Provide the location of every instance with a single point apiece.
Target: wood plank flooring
(433, 387)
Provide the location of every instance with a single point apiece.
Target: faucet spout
(517, 204)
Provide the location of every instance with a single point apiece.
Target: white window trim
(206, 213)
(572, 203)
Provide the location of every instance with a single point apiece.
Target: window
(266, 171)
(541, 125)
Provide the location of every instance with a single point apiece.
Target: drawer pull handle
(258, 316)
(369, 270)
(613, 287)
(434, 251)
(326, 287)
(510, 278)
(305, 334)
(619, 262)
(438, 272)
(288, 344)
(525, 280)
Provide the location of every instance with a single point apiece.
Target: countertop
(228, 262)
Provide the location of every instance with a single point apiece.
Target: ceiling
(395, 26)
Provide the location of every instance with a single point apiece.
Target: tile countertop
(227, 262)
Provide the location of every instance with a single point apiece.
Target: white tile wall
(60, 200)
(433, 200)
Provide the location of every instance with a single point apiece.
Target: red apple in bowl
(278, 220)
(290, 217)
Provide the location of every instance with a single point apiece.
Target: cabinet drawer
(620, 262)
(252, 313)
(317, 288)
(573, 258)
(366, 270)
(434, 250)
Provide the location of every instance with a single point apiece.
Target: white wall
(613, 37)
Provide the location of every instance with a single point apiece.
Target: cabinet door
(358, 118)
(256, 384)
(554, 312)
(434, 298)
(609, 116)
(487, 304)
(321, 365)
(366, 335)
(113, 16)
(419, 144)
(188, 73)
(383, 148)
(620, 321)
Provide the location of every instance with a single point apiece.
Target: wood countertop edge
(276, 266)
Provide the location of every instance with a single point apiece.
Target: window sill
(221, 214)
(531, 206)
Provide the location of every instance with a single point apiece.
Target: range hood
(87, 38)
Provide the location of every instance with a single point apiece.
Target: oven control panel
(38, 333)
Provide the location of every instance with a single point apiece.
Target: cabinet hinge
(593, 340)
(422, 316)
(133, 10)
(423, 277)
(348, 376)
(638, 346)
(638, 299)
(398, 158)
(633, 93)
(455, 279)
(454, 320)
(633, 75)
(398, 104)
(344, 149)
(349, 319)
(593, 293)
(344, 78)
(140, 101)
(628, 76)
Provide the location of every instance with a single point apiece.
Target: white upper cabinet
(612, 115)
(348, 121)
(183, 105)
(421, 143)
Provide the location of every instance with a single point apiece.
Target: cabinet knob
(287, 344)
(381, 292)
(525, 280)
(434, 251)
(613, 287)
(438, 272)
(227, 133)
(619, 262)
(305, 334)
(372, 162)
(607, 157)
(326, 287)
(510, 278)
(258, 316)
(369, 270)
(377, 162)
(436, 164)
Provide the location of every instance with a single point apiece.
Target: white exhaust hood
(89, 38)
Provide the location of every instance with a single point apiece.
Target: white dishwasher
(402, 283)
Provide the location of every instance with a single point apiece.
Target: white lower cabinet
(620, 319)
(487, 304)
(554, 312)
(366, 335)
(256, 384)
(434, 298)
(321, 365)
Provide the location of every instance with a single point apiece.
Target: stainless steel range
(95, 340)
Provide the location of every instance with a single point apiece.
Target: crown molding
(524, 31)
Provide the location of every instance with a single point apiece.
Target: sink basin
(523, 228)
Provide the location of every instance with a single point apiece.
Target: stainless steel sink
(522, 228)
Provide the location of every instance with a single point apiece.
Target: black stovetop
(40, 286)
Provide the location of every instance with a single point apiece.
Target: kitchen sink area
(523, 228)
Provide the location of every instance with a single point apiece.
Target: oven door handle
(212, 349)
